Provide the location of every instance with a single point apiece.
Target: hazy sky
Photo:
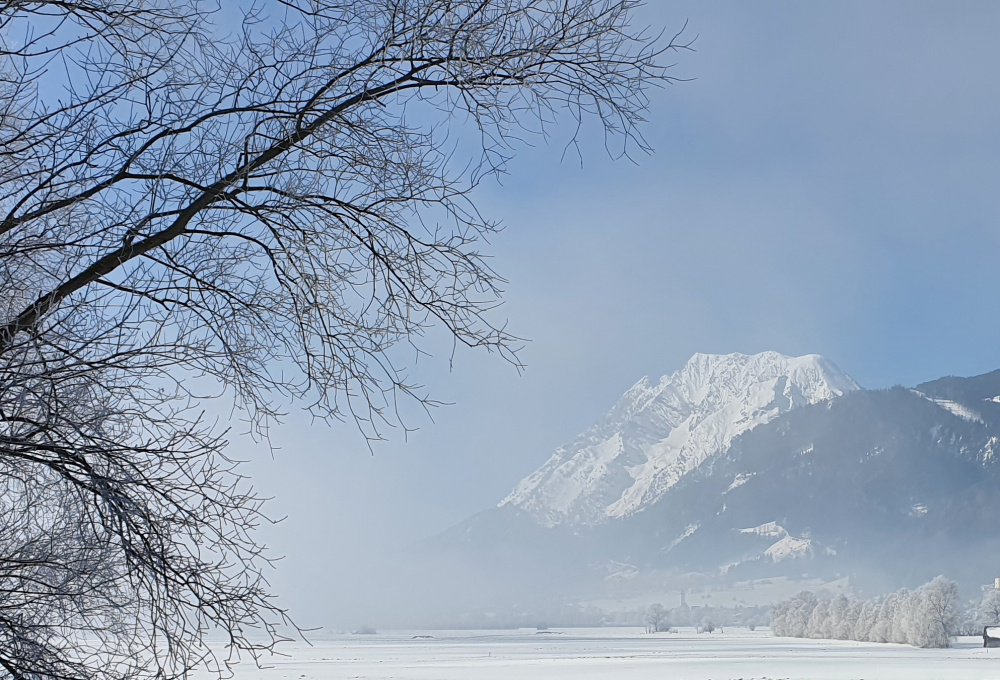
(827, 183)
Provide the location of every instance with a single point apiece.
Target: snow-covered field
(624, 653)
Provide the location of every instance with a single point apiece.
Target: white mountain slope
(657, 433)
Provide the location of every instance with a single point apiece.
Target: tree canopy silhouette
(259, 213)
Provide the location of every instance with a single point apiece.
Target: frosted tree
(896, 612)
(865, 621)
(881, 630)
(655, 618)
(970, 622)
(818, 620)
(850, 622)
(913, 619)
(926, 617)
(838, 624)
(989, 608)
(791, 618)
(939, 600)
(780, 620)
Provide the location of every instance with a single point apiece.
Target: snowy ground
(617, 653)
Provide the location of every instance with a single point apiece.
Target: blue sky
(826, 183)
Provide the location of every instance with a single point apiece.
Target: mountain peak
(725, 374)
(659, 432)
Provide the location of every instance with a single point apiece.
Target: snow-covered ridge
(658, 432)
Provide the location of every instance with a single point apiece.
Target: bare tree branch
(263, 214)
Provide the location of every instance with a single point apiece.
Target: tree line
(926, 617)
(657, 619)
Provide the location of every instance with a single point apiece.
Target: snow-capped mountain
(899, 483)
(887, 488)
(659, 432)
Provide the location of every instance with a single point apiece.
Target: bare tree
(263, 215)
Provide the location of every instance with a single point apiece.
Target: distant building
(991, 636)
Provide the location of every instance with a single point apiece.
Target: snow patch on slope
(657, 433)
(620, 571)
(789, 547)
(962, 412)
(768, 529)
(953, 407)
(738, 481)
(688, 531)
(785, 547)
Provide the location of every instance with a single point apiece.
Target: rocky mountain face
(894, 486)
(740, 467)
(659, 432)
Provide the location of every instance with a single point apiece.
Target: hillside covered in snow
(659, 432)
(739, 468)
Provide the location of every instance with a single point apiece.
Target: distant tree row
(925, 617)
(656, 618)
(977, 614)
